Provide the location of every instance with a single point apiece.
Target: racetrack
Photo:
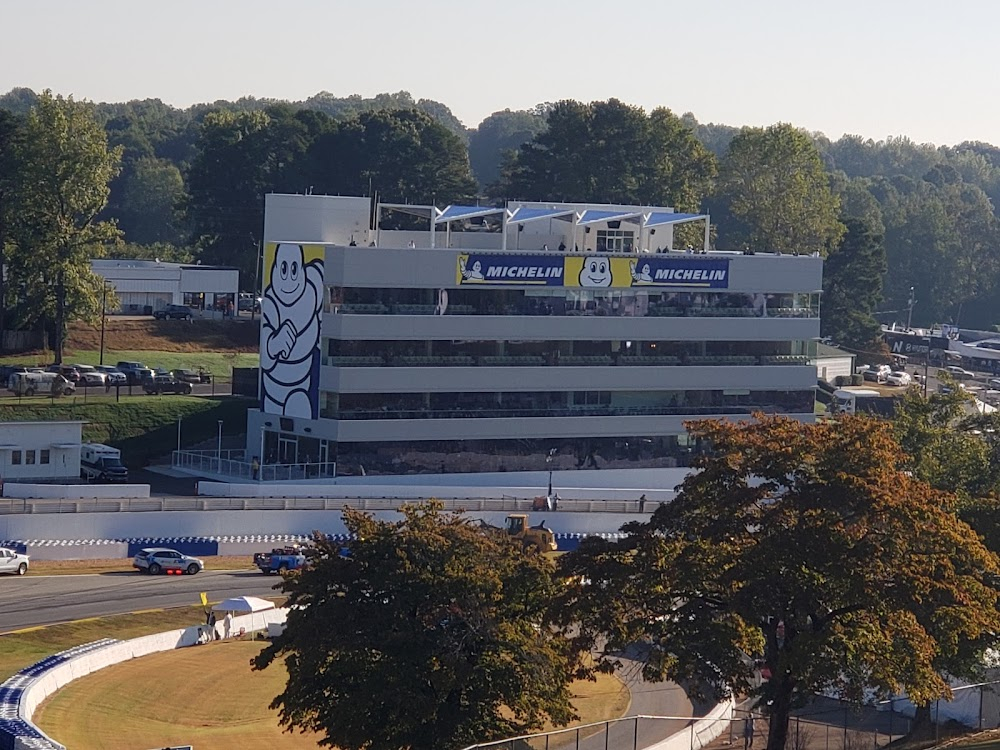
(30, 601)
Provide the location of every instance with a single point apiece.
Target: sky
(870, 67)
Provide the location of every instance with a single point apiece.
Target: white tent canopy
(243, 605)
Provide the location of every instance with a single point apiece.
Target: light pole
(548, 463)
(909, 317)
(104, 314)
(220, 439)
(927, 364)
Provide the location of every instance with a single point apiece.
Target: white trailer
(102, 462)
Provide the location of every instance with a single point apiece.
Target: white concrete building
(584, 343)
(831, 362)
(145, 286)
(40, 451)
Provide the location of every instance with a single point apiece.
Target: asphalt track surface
(31, 601)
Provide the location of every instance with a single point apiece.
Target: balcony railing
(233, 464)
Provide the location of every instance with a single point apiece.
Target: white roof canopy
(243, 604)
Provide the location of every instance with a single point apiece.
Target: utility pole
(909, 317)
(927, 364)
(104, 314)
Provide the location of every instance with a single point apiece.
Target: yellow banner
(597, 272)
(204, 599)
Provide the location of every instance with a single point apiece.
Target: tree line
(890, 216)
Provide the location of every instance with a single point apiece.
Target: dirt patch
(167, 335)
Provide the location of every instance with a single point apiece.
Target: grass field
(220, 703)
(20, 650)
(143, 428)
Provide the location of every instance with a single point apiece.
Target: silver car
(156, 560)
(13, 562)
(114, 375)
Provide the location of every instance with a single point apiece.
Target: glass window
(15, 458)
(29, 457)
(43, 456)
(615, 240)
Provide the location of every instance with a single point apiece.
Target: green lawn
(143, 427)
(20, 650)
(219, 363)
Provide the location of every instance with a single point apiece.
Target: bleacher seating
(784, 359)
(648, 359)
(512, 361)
(358, 309)
(342, 361)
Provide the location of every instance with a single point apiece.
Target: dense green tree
(773, 183)
(10, 134)
(65, 168)
(852, 287)
(430, 633)
(610, 152)
(147, 205)
(161, 251)
(808, 544)
(498, 137)
(241, 157)
(402, 154)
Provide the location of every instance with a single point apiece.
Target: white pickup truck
(13, 562)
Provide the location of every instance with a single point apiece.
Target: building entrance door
(288, 450)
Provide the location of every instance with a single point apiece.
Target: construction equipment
(538, 536)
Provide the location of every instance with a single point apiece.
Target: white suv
(156, 560)
(13, 562)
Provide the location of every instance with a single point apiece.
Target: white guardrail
(15, 506)
(24, 692)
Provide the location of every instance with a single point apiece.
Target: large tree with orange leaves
(807, 545)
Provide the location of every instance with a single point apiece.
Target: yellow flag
(204, 599)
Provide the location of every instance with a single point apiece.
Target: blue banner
(711, 273)
(505, 269)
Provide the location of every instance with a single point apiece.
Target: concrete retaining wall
(33, 685)
(122, 526)
(75, 491)
(701, 732)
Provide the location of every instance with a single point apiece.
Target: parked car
(113, 374)
(165, 384)
(248, 302)
(90, 376)
(898, 378)
(186, 376)
(993, 383)
(67, 371)
(156, 560)
(958, 373)
(13, 562)
(877, 374)
(135, 372)
(174, 312)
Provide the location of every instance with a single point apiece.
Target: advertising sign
(592, 271)
(290, 310)
(502, 270)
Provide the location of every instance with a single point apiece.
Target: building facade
(395, 360)
(145, 286)
(40, 451)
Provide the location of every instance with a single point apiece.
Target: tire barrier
(81, 549)
(16, 730)
(24, 692)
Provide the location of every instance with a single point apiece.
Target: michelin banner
(291, 306)
(591, 271)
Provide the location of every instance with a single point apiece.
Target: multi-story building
(427, 359)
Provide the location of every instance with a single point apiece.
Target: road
(44, 600)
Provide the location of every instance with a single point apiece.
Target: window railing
(566, 360)
(233, 464)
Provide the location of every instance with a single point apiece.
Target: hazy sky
(873, 67)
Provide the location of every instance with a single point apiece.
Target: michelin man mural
(289, 334)
(595, 272)
(642, 275)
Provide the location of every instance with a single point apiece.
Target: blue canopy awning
(593, 216)
(524, 214)
(455, 213)
(660, 218)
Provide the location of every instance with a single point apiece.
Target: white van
(31, 383)
(102, 462)
(846, 402)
